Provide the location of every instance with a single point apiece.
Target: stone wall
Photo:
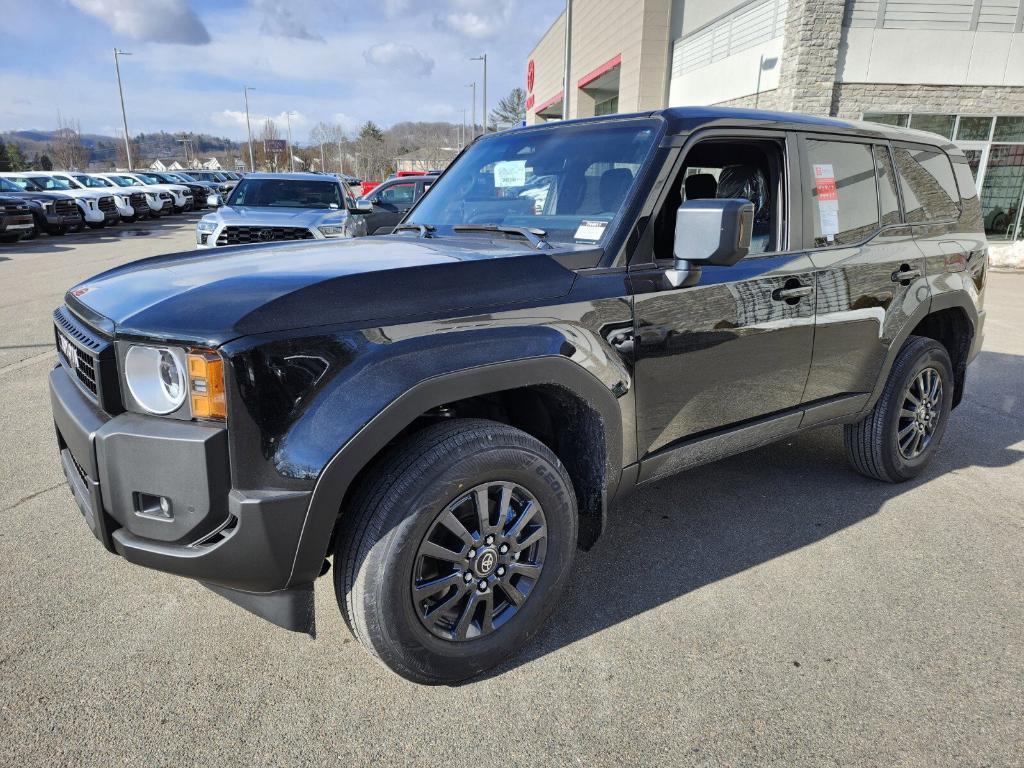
(810, 55)
(767, 100)
(851, 99)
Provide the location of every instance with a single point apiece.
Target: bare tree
(268, 159)
(121, 158)
(68, 151)
(511, 109)
(335, 143)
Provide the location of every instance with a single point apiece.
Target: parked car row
(57, 202)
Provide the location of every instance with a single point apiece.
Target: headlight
(156, 377)
(47, 205)
(206, 226)
(332, 230)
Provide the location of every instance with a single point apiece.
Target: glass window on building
(1009, 129)
(940, 124)
(607, 107)
(974, 129)
(1002, 190)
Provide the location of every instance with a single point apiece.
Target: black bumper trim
(293, 609)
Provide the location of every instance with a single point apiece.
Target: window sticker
(590, 230)
(510, 173)
(828, 200)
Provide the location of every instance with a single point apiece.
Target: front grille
(107, 205)
(166, 196)
(82, 363)
(66, 208)
(88, 358)
(79, 468)
(240, 235)
(15, 209)
(138, 200)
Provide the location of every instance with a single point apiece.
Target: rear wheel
(456, 549)
(898, 438)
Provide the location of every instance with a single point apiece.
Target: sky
(344, 61)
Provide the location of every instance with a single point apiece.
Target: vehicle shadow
(676, 536)
(149, 228)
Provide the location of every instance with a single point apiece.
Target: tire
(398, 508)
(10, 238)
(876, 446)
(96, 224)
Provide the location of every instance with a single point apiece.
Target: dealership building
(953, 67)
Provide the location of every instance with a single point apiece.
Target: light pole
(472, 126)
(291, 157)
(124, 116)
(462, 141)
(248, 126)
(483, 57)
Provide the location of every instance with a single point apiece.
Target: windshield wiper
(423, 229)
(535, 236)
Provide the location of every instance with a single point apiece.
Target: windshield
(89, 181)
(124, 181)
(39, 183)
(286, 193)
(9, 186)
(149, 178)
(185, 177)
(569, 182)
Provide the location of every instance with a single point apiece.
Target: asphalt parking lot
(774, 608)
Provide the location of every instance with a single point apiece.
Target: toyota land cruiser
(448, 412)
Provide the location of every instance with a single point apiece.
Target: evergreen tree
(510, 109)
(16, 159)
(5, 159)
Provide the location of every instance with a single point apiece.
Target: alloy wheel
(479, 561)
(919, 413)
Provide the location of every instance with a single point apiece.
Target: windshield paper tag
(590, 230)
(828, 200)
(510, 173)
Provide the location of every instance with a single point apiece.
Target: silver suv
(270, 207)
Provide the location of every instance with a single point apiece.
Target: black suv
(451, 410)
(392, 200)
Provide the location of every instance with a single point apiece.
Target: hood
(277, 217)
(94, 194)
(39, 196)
(211, 297)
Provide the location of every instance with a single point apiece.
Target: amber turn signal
(206, 385)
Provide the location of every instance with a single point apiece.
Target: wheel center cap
(486, 561)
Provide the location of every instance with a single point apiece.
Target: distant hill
(103, 149)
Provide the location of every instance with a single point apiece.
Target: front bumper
(16, 224)
(236, 540)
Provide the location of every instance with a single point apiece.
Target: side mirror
(214, 201)
(363, 205)
(713, 232)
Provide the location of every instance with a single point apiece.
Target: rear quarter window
(928, 185)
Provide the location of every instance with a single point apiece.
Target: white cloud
(285, 19)
(232, 118)
(158, 21)
(476, 19)
(404, 58)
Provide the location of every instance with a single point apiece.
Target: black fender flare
(341, 470)
(938, 302)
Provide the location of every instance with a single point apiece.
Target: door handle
(905, 275)
(789, 294)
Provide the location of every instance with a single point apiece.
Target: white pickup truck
(84, 181)
(98, 208)
(159, 200)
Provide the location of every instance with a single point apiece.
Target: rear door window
(928, 185)
(844, 195)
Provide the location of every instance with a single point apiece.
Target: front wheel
(456, 549)
(96, 224)
(900, 435)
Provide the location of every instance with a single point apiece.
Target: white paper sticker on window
(510, 173)
(590, 230)
(828, 200)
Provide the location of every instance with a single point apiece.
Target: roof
(686, 119)
(293, 176)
